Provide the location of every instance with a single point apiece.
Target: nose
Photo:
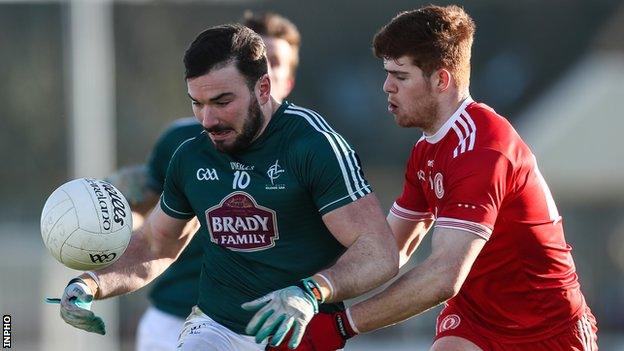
(389, 86)
(206, 117)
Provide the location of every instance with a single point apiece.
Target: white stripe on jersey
(366, 189)
(346, 148)
(473, 134)
(466, 130)
(162, 198)
(409, 215)
(344, 153)
(460, 136)
(466, 134)
(586, 333)
(475, 228)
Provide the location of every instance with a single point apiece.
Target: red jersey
(476, 174)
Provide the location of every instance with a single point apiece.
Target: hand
(325, 332)
(76, 307)
(278, 312)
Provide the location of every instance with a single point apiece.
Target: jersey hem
(174, 213)
(355, 195)
(409, 215)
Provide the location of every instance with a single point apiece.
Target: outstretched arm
(371, 258)
(153, 247)
(430, 283)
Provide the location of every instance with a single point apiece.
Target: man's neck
(268, 110)
(446, 108)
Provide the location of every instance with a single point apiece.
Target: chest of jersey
(432, 167)
(245, 202)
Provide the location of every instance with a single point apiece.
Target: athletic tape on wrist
(94, 277)
(311, 288)
(329, 285)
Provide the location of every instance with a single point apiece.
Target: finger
(258, 320)
(257, 303)
(97, 326)
(269, 326)
(282, 331)
(52, 300)
(297, 334)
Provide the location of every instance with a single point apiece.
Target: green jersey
(261, 210)
(176, 290)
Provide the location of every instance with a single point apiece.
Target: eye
(195, 103)
(221, 103)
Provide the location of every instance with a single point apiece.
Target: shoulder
(309, 129)
(479, 127)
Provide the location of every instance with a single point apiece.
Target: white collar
(437, 136)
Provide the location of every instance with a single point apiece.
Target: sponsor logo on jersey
(240, 224)
(449, 322)
(237, 166)
(430, 163)
(438, 185)
(274, 172)
(207, 174)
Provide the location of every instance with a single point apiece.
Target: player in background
(499, 258)
(282, 202)
(175, 292)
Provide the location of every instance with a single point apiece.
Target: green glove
(76, 307)
(279, 311)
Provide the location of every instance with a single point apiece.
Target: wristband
(344, 325)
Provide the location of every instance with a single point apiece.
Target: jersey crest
(240, 224)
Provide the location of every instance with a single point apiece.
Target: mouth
(221, 134)
(392, 108)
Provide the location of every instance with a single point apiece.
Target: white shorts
(158, 331)
(201, 332)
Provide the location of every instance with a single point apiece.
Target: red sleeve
(412, 204)
(474, 188)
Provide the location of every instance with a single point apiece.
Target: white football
(86, 224)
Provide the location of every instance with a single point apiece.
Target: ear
(263, 89)
(442, 79)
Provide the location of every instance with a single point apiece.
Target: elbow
(391, 261)
(449, 288)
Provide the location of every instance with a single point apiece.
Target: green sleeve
(331, 171)
(173, 201)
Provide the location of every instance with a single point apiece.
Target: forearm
(138, 266)
(369, 262)
(414, 293)
(149, 253)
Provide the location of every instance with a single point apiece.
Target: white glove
(278, 312)
(76, 307)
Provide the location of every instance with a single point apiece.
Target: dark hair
(272, 25)
(434, 37)
(219, 46)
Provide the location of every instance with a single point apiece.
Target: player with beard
(499, 259)
(175, 292)
(282, 202)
